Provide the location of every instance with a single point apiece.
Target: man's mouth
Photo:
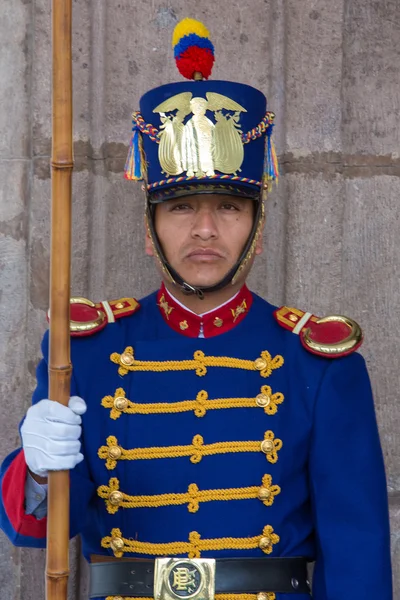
(204, 255)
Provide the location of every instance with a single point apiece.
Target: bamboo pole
(57, 558)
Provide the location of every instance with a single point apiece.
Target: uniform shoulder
(87, 317)
(332, 336)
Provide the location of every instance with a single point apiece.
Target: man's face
(203, 235)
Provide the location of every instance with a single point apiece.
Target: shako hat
(201, 136)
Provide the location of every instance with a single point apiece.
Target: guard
(217, 444)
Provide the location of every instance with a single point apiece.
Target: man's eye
(229, 206)
(180, 207)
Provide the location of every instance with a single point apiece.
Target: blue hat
(201, 136)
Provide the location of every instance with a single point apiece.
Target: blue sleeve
(21, 527)
(348, 488)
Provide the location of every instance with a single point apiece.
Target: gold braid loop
(271, 446)
(274, 399)
(107, 492)
(195, 546)
(193, 493)
(198, 445)
(272, 363)
(272, 491)
(111, 453)
(201, 401)
(117, 403)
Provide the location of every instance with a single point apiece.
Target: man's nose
(204, 225)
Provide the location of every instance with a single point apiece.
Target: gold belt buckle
(184, 579)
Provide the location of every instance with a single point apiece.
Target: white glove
(50, 435)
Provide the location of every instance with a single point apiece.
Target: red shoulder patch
(333, 336)
(88, 318)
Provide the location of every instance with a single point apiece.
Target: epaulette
(333, 336)
(88, 318)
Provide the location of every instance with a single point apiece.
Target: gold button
(120, 403)
(260, 364)
(264, 493)
(267, 446)
(119, 305)
(116, 498)
(183, 325)
(293, 318)
(117, 544)
(218, 322)
(264, 543)
(260, 596)
(262, 400)
(114, 452)
(127, 359)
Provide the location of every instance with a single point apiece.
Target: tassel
(271, 170)
(133, 166)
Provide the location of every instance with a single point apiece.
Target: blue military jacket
(240, 444)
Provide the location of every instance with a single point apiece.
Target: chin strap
(232, 275)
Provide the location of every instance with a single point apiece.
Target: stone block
(42, 74)
(395, 538)
(313, 71)
(119, 265)
(15, 76)
(370, 80)
(370, 292)
(267, 277)
(313, 242)
(139, 54)
(13, 296)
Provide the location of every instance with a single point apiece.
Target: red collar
(213, 323)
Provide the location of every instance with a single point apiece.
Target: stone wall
(331, 71)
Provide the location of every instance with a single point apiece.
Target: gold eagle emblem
(200, 146)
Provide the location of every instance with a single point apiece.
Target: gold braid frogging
(199, 363)
(193, 497)
(196, 450)
(193, 548)
(269, 596)
(199, 406)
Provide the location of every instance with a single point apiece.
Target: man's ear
(148, 244)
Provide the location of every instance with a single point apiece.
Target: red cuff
(13, 493)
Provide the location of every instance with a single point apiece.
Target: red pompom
(195, 59)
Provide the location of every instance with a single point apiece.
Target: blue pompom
(192, 40)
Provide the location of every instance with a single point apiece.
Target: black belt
(232, 575)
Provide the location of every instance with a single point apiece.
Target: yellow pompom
(187, 26)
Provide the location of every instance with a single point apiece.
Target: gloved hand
(50, 435)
